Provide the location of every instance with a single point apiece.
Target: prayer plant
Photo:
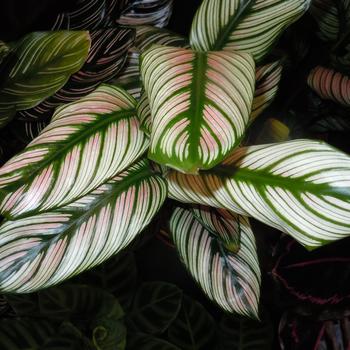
(169, 123)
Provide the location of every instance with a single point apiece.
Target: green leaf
(44, 63)
(194, 328)
(243, 25)
(86, 143)
(272, 131)
(200, 103)
(230, 279)
(4, 50)
(266, 86)
(148, 342)
(44, 249)
(155, 306)
(300, 187)
(330, 85)
(243, 334)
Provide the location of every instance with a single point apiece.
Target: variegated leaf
(129, 77)
(47, 248)
(146, 36)
(147, 12)
(230, 279)
(330, 85)
(200, 103)
(266, 86)
(243, 25)
(331, 16)
(87, 142)
(221, 223)
(301, 187)
(144, 114)
(106, 58)
(44, 63)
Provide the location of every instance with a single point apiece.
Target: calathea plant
(83, 189)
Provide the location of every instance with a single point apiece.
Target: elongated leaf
(106, 58)
(87, 142)
(194, 328)
(243, 25)
(45, 61)
(266, 86)
(146, 36)
(330, 85)
(200, 103)
(148, 342)
(144, 114)
(330, 15)
(244, 334)
(155, 306)
(147, 12)
(230, 279)
(4, 50)
(300, 187)
(44, 249)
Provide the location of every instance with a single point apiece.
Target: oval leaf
(45, 61)
(193, 328)
(301, 187)
(330, 85)
(155, 306)
(200, 103)
(44, 249)
(86, 143)
(243, 25)
(232, 280)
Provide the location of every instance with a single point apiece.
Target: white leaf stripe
(266, 86)
(147, 12)
(330, 85)
(243, 25)
(45, 249)
(144, 114)
(231, 280)
(301, 187)
(107, 55)
(86, 143)
(220, 222)
(45, 62)
(200, 103)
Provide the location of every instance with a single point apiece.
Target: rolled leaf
(243, 25)
(87, 142)
(330, 85)
(47, 248)
(106, 58)
(200, 103)
(230, 279)
(301, 187)
(266, 86)
(144, 114)
(45, 61)
(272, 131)
(147, 12)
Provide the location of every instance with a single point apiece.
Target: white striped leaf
(45, 61)
(146, 36)
(144, 114)
(107, 55)
(44, 249)
(243, 25)
(230, 279)
(87, 142)
(200, 103)
(301, 187)
(146, 12)
(331, 16)
(221, 223)
(266, 86)
(330, 85)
